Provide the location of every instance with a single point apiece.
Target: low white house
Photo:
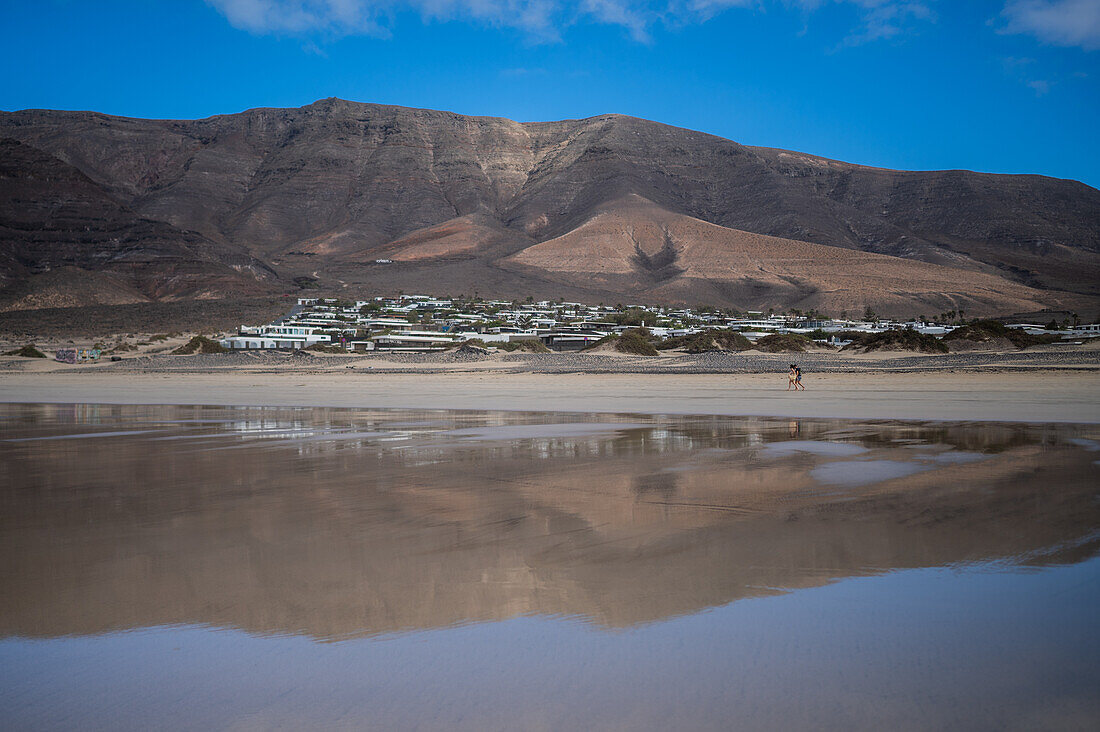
(283, 337)
(288, 343)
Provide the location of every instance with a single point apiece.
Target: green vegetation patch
(634, 316)
(528, 346)
(635, 341)
(783, 343)
(707, 340)
(475, 342)
(27, 351)
(307, 283)
(200, 344)
(326, 348)
(985, 330)
(897, 340)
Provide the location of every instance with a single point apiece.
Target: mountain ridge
(604, 115)
(325, 189)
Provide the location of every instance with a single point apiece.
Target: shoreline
(1031, 397)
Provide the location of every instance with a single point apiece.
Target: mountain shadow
(659, 267)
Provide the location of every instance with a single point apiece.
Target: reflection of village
(335, 523)
(424, 323)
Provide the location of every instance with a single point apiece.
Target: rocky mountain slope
(65, 242)
(473, 203)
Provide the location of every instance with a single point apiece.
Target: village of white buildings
(419, 323)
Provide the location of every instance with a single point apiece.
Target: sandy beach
(1026, 396)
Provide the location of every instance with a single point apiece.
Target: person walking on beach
(794, 378)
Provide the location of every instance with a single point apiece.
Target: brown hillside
(460, 237)
(636, 247)
(324, 190)
(69, 287)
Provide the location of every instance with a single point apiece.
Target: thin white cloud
(294, 17)
(635, 17)
(1060, 22)
(541, 20)
(375, 17)
(538, 18)
(883, 20)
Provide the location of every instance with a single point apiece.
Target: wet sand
(265, 512)
(1039, 396)
(209, 567)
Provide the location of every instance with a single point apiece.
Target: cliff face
(329, 187)
(65, 242)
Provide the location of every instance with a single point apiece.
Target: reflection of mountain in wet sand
(355, 538)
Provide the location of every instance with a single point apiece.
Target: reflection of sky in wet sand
(917, 649)
(563, 571)
(80, 435)
(824, 447)
(864, 472)
(1090, 445)
(536, 431)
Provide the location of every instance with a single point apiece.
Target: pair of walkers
(794, 378)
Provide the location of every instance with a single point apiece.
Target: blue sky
(1008, 86)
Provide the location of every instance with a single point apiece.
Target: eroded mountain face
(328, 188)
(64, 241)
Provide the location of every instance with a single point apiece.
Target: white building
(286, 337)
